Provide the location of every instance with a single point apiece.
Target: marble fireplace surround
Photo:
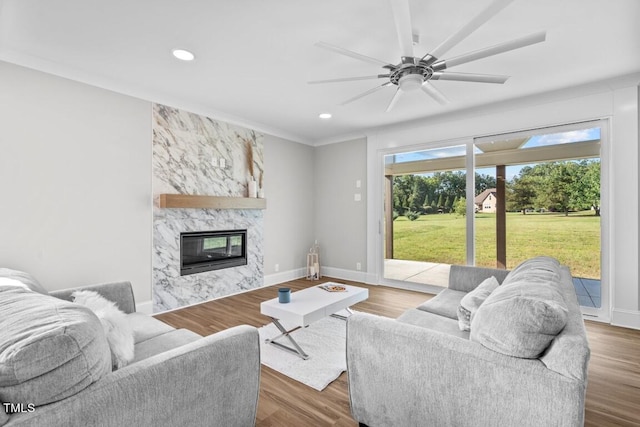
(187, 149)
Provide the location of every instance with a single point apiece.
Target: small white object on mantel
(252, 188)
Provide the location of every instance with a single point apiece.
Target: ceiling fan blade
(469, 77)
(349, 79)
(490, 51)
(369, 92)
(430, 90)
(342, 51)
(467, 29)
(395, 98)
(402, 18)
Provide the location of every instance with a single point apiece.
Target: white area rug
(325, 343)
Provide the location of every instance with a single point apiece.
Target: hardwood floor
(613, 391)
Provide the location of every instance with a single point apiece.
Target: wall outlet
(276, 267)
(357, 197)
(223, 162)
(358, 266)
(358, 183)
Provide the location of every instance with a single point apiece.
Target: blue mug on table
(284, 295)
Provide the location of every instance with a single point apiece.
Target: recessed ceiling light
(325, 115)
(183, 55)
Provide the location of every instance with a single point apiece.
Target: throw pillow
(521, 319)
(28, 280)
(50, 349)
(473, 300)
(115, 323)
(542, 269)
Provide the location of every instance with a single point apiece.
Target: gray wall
(341, 222)
(289, 217)
(75, 182)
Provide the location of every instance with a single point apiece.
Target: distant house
(486, 201)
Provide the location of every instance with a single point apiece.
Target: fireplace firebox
(202, 251)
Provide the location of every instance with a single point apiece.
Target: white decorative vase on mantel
(252, 188)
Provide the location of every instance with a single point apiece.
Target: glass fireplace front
(212, 250)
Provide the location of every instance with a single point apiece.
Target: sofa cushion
(520, 319)
(24, 278)
(444, 304)
(161, 343)
(146, 327)
(470, 303)
(432, 321)
(49, 349)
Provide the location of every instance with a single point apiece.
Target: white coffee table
(307, 306)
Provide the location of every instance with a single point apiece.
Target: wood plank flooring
(613, 392)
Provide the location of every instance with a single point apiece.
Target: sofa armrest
(466, 278)
(211, 382)
(119, 292)
(401, 374)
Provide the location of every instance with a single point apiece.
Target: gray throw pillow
(542, 269)
(473, 300)
(25, 278)
(50, 349)
(521, 319)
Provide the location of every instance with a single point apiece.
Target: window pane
(425, 228)
(552, 198)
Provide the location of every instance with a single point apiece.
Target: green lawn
(574, 240)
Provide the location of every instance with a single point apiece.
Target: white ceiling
(255, 57)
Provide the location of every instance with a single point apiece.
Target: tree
(447, 204)
(402, 189)
(484, 182)
(521, 194)
(460, 207)
(559, 189)
(590, 181)
(419, 194)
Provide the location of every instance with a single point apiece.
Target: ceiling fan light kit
(410, 82)
(413, 73)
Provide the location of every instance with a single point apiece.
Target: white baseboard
(625, 318)
(284, 276)
(340, 273)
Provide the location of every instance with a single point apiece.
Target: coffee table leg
(339, 316)
(297, 350)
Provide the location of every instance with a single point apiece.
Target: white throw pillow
(470, 303)
(115, 323)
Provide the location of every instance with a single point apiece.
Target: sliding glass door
(498, 200)
(549, 182)
(425, 208)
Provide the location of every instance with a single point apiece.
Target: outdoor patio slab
(436, 274)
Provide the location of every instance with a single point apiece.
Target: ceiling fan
(413, 73)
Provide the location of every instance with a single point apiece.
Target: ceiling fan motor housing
(411, 73)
